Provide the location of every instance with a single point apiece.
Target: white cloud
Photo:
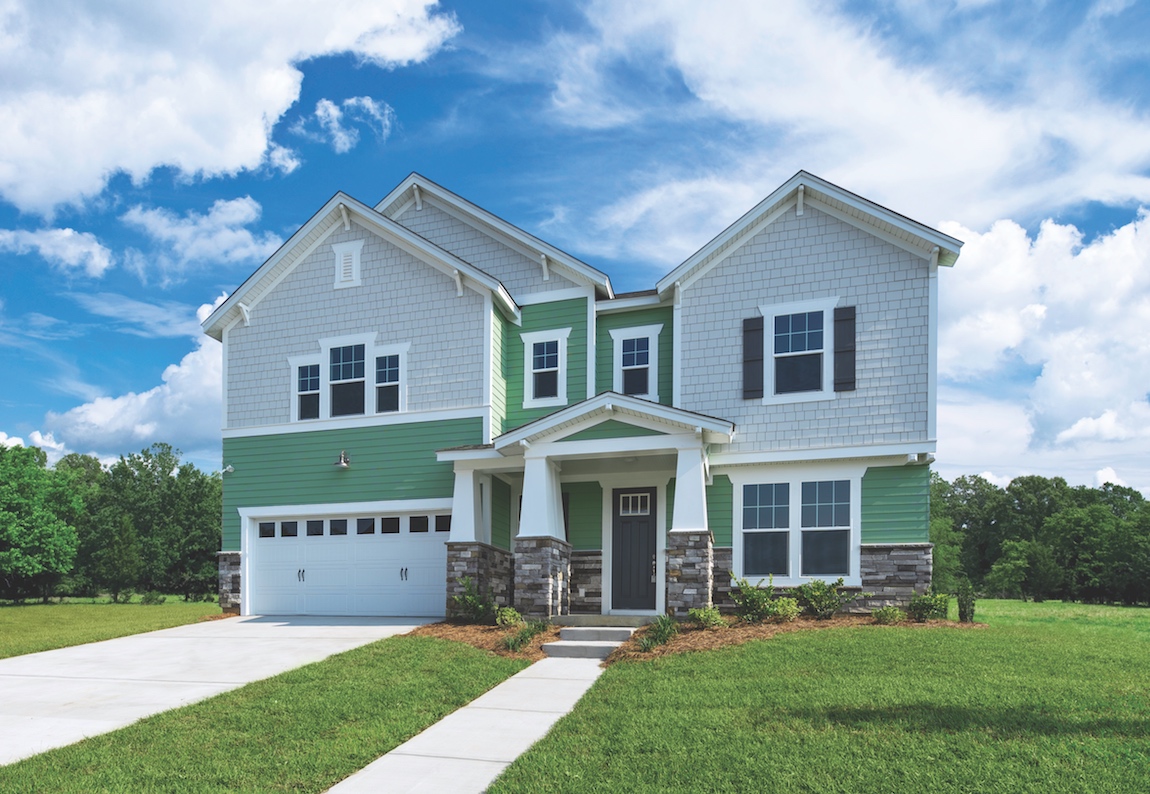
(336, 123)
(218, 236)
(1103, 476)
(65, 249)
(105, 88)
(161, 319)
(10, 441)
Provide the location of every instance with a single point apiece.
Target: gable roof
(336, 212)
(848, 207)
(417, 187)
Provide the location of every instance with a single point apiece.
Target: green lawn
(301, 731)
(1051, 698)
(28, 628)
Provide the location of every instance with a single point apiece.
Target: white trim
(747, 236)
(347, 260)
(571, 293)
(226, 347)
(356, 422)
(626, 304)
(932, 356)
(592, 346)
(858, 223)
(530, 339)
(652, 479)
(488, 363)
(399, 349)
(796, 475)
(651, 334)
(345, 509)
(677, 349)
(294, 364)
(827, 392)
(725, 459)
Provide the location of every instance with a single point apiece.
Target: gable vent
(347, 263)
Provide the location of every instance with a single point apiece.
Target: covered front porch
(600, 508)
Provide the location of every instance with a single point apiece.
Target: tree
(83, 476)
(36, 546)
(118, 563)
(947, 542)
(976, 506)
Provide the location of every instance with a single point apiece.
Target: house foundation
(490, 569)
(893, 574)
(542, 576)
(586, 590)
(690, 571)
(229, 583)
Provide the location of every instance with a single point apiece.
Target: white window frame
(347, 258)
(827, 392)
(530, 339)
(651, 334)
(391, 350)
(795, 476)
(323, 358)
(294, 364)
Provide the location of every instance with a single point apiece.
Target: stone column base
(586, 582)
(894, 573)
(489, 568)
(690, 571)
(721, 590)
(542, 576)
(229, 562)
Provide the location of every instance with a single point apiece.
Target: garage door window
(338, 526)
(314, 528)
(289, 529)
(389, 525)
(443, 523)
(365, 526)
(267, 529)
(418, 524)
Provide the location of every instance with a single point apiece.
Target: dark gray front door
(633, 548)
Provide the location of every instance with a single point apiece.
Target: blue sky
(154, 154)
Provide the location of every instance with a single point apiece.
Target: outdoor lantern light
(344, 461)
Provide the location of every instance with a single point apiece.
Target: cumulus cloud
(339, 124)
(218, 236)
(106, 88)
(65, 249)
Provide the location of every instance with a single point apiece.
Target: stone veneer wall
(690, 571)
(229, 563)
(490, 569)
(721, 590)
(894, 573)
(586, 582)
(542, 576)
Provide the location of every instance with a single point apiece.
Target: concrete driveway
(55, 698)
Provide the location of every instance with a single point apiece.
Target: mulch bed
(487, 638)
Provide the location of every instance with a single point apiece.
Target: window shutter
(845, 348)
(752, 358)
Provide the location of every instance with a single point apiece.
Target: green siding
(387, 462)
(670, 503)
(896, 505)
(500, 514)
(605, 349)
(541, 317)
(720, 503)
(585, 515)
(612, 428)
(498, 378)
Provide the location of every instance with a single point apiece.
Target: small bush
(707, 618)
(932, 606)
(888, 616)
(965, 601)
(823, 600)
(752, 602)
(508, 617)
(516, 642)
(659, 632)
(470, 606)
(782, 610)
(152, 598)
(122, 596)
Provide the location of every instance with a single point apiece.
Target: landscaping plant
(659, 632)
(518, 640)
(707, 617)
(965, 601)
(888, 615)
(508, 617)
(470, 606)
(932, 606)
(823, 600)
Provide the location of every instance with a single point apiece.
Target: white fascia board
(899, 451)
(470, 455)
(344, 508)
(626, 304)
(570, 293)
(607, 447)
(358, 422)
(922, 252)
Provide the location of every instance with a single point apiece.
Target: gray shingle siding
(801, 258)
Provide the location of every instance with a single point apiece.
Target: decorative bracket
(418, 198)
(799, 205)
(458, 283)
(346, 222)
(246, 311)
(546, 267)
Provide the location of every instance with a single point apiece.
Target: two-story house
(419, 391)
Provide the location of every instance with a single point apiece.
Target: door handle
(303, 575)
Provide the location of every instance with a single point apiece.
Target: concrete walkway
(55, 698)
(469, 748)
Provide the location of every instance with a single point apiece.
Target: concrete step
(634, 621)
(576, 649)
(594, 633)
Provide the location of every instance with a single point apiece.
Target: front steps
(632, 621)
(588, 642)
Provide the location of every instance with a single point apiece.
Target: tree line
(146, 523)
(1040, 538)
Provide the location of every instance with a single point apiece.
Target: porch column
(542, 513)
(467, 524)
(690, 549)
(542, 555)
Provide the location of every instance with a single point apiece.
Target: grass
(1051, 698)
(29, 628)
(301, 731)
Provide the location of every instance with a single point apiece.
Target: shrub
(662, 629)
(782, 610)
(152, 598)
(965, 601)
(507, 617)
(927, 607)
(121, 596)
(471, 606)
(888, 616)
(515, 642)
(752, 602)
(823, 600)
(707, 618)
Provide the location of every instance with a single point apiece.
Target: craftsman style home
(418, 392)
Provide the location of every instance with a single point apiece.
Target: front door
(633, 548)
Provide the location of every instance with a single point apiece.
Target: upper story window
(347, 263)
(636, 358)
(308, 391)
(347, 380)
(387, 385)
(545, 368)
(811, 352)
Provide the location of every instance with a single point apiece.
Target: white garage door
(350, 565)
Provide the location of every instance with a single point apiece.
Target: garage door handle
(303, 575)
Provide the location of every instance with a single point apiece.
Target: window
(810, 354)
(267, 529)
(826, 518)
(309, 391)
(347, 376)
(365, 526)
(637, 361)
(347, 270)
(289, 529)
(418, 524)
(314, 528)
(766, 507)
(389, 525)
(387, 383)
(443, 523)
(337, 526)
(635, 504)
(545, 368)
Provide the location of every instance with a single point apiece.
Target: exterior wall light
(344, 461)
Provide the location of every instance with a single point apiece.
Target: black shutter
(845, 348)
(752, 358)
